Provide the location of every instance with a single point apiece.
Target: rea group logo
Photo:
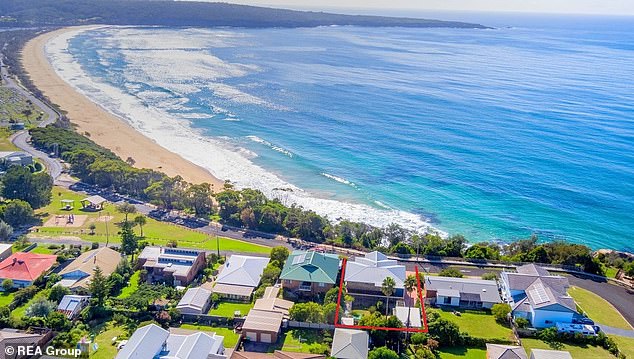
(30, 351)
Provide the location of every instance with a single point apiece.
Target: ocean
(494, 134)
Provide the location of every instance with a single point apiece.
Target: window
(322, 284)
(447, 300)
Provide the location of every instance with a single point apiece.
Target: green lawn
(107, 349)
(478, 324)
(300, 340)
(41, 249)
(576, 351)
(610, 272)
(21, 310)
(6, 298)
(132, 286)
(5, 144)
(226, 309)
(155, 232)
(231, 338)
(462, 353)
(626, 345)
(598, 309)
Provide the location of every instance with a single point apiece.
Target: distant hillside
(175, 13)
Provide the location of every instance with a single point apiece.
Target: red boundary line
(425, 328)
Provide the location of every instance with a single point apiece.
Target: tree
(307, 312)
(140, 221)
(127, 209)
(388, 288)
(7, 284)
(5, 231)
(20, 183)
(92, 228)
(129, 241)
(57, 321)
(198, 197)
(450, 272)
(279, 255)
(501, 311)
(410, 283)
(522, 322)
(99, 287)
(41, 307)
(382, 353)
(270, 274)
(57, 293)
(18, 213)
(447, 333)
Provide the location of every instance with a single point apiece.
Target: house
(278, 354)
(78, 274)
(154, 342)
(310, 272)
(239, 277)
(14, 337)
(24, 267)
(536, 295)
(365, 275)
(262, 326)
(497, 351)
(350, 344)
(175, 266)
(72, 305)
(461, 292)
(409, 316)
(264, 321)
(549, 354)
(15, 158)
(195, 301)
(6, 250)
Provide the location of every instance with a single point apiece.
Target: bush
(501, 311)
(522, 323)
(7, 284)
(450, 272)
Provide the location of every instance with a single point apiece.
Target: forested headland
(185, 13)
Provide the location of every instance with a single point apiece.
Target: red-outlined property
(424, 329)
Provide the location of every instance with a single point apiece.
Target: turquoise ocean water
(494, 134)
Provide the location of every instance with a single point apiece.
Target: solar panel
(299, 259)
(539, 294)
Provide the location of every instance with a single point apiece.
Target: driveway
(621, 298)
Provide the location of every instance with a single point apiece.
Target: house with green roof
(310, 272)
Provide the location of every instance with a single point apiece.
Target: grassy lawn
(462, 353)
(300, 340)
(17, 107)
(6, 298)
(610, 272)
(5, 144)
(231, 338)
(155, 232)
(21, 310)
(576, 351)
(106, 349)
(478, 324)
(598, 309)
(226, 309)
(626, 345)
(41, 249)
(132, 286)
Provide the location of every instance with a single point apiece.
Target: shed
(93, 202)
(262, 326)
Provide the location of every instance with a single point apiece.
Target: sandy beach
(104, 128)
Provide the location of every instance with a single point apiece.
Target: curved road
(21, 139)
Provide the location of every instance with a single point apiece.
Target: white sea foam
(222, 156)
(271, 146)
(339, 179)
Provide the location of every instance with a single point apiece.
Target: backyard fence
(305, 325)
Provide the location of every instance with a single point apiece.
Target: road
(21, 138)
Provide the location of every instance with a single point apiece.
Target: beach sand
(105, 128)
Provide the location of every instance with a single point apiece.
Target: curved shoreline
(104, 128)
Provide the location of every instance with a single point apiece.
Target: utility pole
(107, 234)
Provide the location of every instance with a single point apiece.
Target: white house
(154, 342)
(536, 295)
(461, 292)
(349, 344)
(366, 274)
(195, 301)
(239, 276)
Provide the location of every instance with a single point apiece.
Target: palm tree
(387, 288)
(410, 283)
(141, 221)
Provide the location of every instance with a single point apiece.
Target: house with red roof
(23, 267)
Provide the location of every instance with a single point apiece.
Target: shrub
(522, 323)
(450, 272)
(501, 311)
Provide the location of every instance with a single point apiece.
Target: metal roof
(350, 344)
(314, 267)
(242, 270)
